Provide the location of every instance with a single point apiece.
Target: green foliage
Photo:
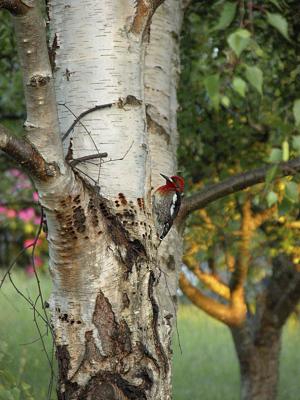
(285, 150)
(278, 22)
(254, 76)
(240, 103)
(226, 16)
(11, 88)
(272, 198)
(212, 85)
(239, 85)
(239, 40)
(239, 78)
(296, 111)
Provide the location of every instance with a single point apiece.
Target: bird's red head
(173, 183)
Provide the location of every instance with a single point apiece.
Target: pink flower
(37, 220)
(38, 262)
(11, 213)
(14, 172)
(24, 184)
(30, 242)
(27, 214)
(29, 270)
(3, 210)
(35, 196)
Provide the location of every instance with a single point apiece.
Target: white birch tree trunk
(112, 305)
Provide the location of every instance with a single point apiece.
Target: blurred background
(239, 96)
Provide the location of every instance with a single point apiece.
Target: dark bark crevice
(119, 367)
(15, 7)
(155, 309)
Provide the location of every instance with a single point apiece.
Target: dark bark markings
(155, 309)
(155, 127)
(63, 359)
(115, 338)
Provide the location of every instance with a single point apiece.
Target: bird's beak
(166, 178)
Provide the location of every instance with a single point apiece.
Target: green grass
(207, 369)
(24, 360)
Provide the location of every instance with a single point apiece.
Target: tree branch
(144, 12)
(263, 216)
(232, 185)
(15, 7)
(233, 314)
(26, 155)
(41, 126)
(210, 281)
(240, 272)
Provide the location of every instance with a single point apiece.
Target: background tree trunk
(258, 340)
(259, 362)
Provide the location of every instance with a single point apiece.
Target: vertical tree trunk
(259, 361)
(111, 309)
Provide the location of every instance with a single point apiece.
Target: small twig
(121, 158)
(33, 341)
(41, 336)
(87, 131)
(25, 298)
(13, 263)
(85, 174)
(78, 160)
(34, 267)
(83, 114)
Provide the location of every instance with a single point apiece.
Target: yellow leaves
(29, 228)
(230, 122)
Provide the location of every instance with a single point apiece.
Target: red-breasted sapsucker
(166, 203)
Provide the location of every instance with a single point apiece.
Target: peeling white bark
(111, 308)
(161, 76)
(162, 67)
(99, 62)
(42, 121)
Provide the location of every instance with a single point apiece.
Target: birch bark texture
(111, 304)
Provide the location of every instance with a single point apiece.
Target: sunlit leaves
(239, 40)
(226, 16)
(296, 143)
(272, 198)
(275, 156)
(279, 23)
(285, 150)
(254, 76)
(225, 101)
(212, 86)
(292, 192)
(271, 174)
(240, 86)
(296, 111)
(276, 4)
